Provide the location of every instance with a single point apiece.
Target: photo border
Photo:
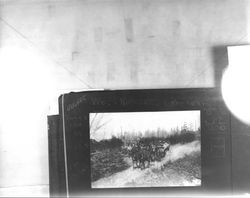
(215, 134)
(197, 111)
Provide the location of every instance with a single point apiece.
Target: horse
(135, 156)
(144, 156)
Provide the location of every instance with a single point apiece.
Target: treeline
(112, 143)
(116, 143)
(181, 138)
(188, 136)
(129, 137)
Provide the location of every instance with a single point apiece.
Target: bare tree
(97, 121)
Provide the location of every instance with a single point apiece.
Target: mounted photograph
(145, 149)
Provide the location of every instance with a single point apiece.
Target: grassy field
(190, 165)
(107, 162)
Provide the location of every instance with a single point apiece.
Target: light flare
(26, 85)
(236, 85)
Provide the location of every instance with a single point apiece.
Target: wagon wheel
(158, 158)
(162, 154)
(158, 155)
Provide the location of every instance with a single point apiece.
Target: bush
(105, 163)
(112, 143)
(190, 165)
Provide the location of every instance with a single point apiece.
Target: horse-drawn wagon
(142, 154)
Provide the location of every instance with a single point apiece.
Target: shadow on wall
(240, 132)
(220, 62)
(235, 33)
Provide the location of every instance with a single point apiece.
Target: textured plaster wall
(109, 44)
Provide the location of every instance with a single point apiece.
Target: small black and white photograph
(145, 149)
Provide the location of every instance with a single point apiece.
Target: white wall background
(48, 47)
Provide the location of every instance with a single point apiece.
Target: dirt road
(162, 173)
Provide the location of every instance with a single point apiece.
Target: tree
(97, 121)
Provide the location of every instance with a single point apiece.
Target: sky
(142, 121)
